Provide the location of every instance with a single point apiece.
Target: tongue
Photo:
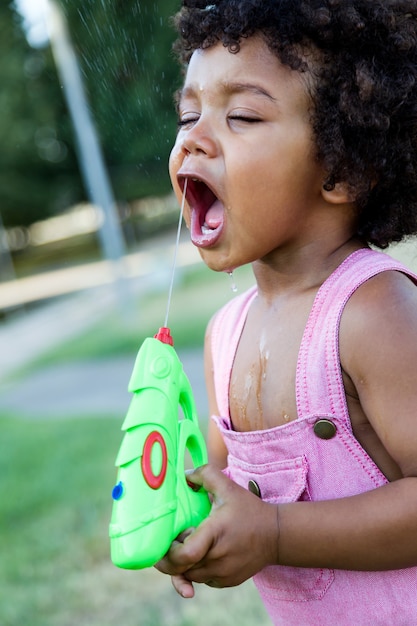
(214, 216)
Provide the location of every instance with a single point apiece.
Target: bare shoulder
(386, 302)
(378, 351)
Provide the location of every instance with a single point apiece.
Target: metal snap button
(254, 488)
(324, 429)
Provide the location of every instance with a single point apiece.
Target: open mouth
(207, 213)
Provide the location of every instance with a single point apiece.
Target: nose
(199, 139)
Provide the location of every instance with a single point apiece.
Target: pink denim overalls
(315, 457)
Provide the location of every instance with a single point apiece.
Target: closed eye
(185, 122)
(245, 118)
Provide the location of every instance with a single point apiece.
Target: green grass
(55, 570)
(56, 477)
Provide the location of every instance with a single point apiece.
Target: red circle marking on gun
(154, 481)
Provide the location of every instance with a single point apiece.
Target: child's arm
(371, 531)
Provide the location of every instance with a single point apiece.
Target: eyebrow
(237, 87)
(229, 88)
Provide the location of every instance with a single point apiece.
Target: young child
(298, 143)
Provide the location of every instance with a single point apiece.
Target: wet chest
(262, 386)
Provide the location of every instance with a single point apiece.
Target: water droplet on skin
(232, 281)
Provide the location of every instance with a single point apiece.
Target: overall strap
(226, 330)
(319, 383)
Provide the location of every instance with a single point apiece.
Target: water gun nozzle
(164, 335)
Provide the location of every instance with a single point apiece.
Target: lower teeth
(206, 230)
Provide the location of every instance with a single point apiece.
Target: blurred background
(122, 53)
(88, 225)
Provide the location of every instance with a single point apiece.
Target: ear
(336, 193)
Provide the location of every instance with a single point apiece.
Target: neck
(292, 272)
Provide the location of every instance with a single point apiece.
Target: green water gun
(152, 500)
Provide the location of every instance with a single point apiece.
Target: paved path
(27, 335)
(96, 387)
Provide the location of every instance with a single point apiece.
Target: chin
(217, 264)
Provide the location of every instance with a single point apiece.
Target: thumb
(212, 480)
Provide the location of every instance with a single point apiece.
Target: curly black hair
(364, 68)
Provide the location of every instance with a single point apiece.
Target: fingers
(182, 586)
(182, 556)
(185, 587)
(212, 479)
(183, 536)
(212, 554)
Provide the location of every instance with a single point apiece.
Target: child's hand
(238, 539)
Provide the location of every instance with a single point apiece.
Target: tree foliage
(124, 51)
(35, 164)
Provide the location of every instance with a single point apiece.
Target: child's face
(245, 147)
